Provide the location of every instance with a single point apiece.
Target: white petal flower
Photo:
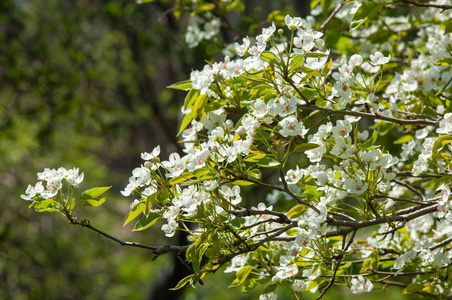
(241, 49)
(379, 59)
(269, 296)
(291, 127)
(293, 23)
(445, 125)
(361, 285)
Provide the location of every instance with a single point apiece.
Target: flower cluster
(50, 183)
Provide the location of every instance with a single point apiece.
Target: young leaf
(185, 122)
(199, 105)
(305, 147)
(183, 85)
(147, 221)
(269, 57)
(48, 205)
(441, 142)
(93, 193)
(94, 202)
(191, 98)
(296, 211)
(366, 11)
(242, 274)
(370, 142)
(134, 212)
(182, 283)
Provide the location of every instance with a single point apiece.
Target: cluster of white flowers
(196, 34)
(51, 181)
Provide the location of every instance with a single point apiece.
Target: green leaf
(326, 4)
(277, 16)
(339, 251)
(429, 111)
(148, 202)
(147, 221)
(94, 202)
(185, 122)
(440, 182)
(191, 98)
(134, 212)
(309, 94)
(254, 174)
(237, 5)
(162, 195)
(47, 205)
(93, 193)
(314, 3)
(296, 211)
(448, 28)
(444, 62)
(267, 162)
(254, 157)
(269, 57)
(182, 283)
(242, 274)
(182, 177)
(404, 139)
(365, 266)
(305, 147)
(242, 182)
(199, 105)
(315, 54)
(310, 72)
(296, 62)
(413, 288)
(206, 7)
(366, 11)
(238, 222)
(369, 143)
(440, 143)
(430, 185)
(183, 85)
(312, 192)
(250, 284)
(327, 68)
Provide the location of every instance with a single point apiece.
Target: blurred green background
(82, 84)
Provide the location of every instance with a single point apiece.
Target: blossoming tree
(351, 145)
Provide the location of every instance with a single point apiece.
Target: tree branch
(415, 3)
(353, 225)
(331, 16)
(422, 122)
(157, 250)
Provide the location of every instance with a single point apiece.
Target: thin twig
(440, 6)
(331, 16)
(419, 194)
(354, 225)
(410, 174)
(287, 191)
(422, 122)
(157, 250)
(443, 243)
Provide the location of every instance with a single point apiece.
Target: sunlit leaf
(147, 221)
(242, 274)
(183, 85)
(93, 193)
(134, 212)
